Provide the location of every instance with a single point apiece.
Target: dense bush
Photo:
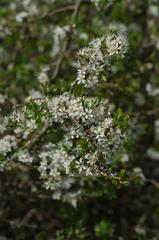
(79, 124)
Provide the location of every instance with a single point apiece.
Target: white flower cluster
(33, 95)
(54, 163)
(89, 134)
(21, 16)
(24, 156)
(7, 144)
(24, 126)
(116, 45)
(83, 119)
(90, 64)
(68, 107)
(29, 9)
(94, 58)
(63, 190)
(107, 138)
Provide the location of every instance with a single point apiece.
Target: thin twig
(52, 13)
(154, 183)
(67, 40)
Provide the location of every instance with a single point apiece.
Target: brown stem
(52, 13)
(67, 40)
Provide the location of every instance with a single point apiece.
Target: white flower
(21, 16)
(125, 158)
(43, 78)
(24, 157)
(7, 143)
(52, 164)
(139, 173)
(33, 94)
(153, 10)
(93, 59)
(116, 44)
(152, 91)
(153, 154)
(2, 98)
(30, 126)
